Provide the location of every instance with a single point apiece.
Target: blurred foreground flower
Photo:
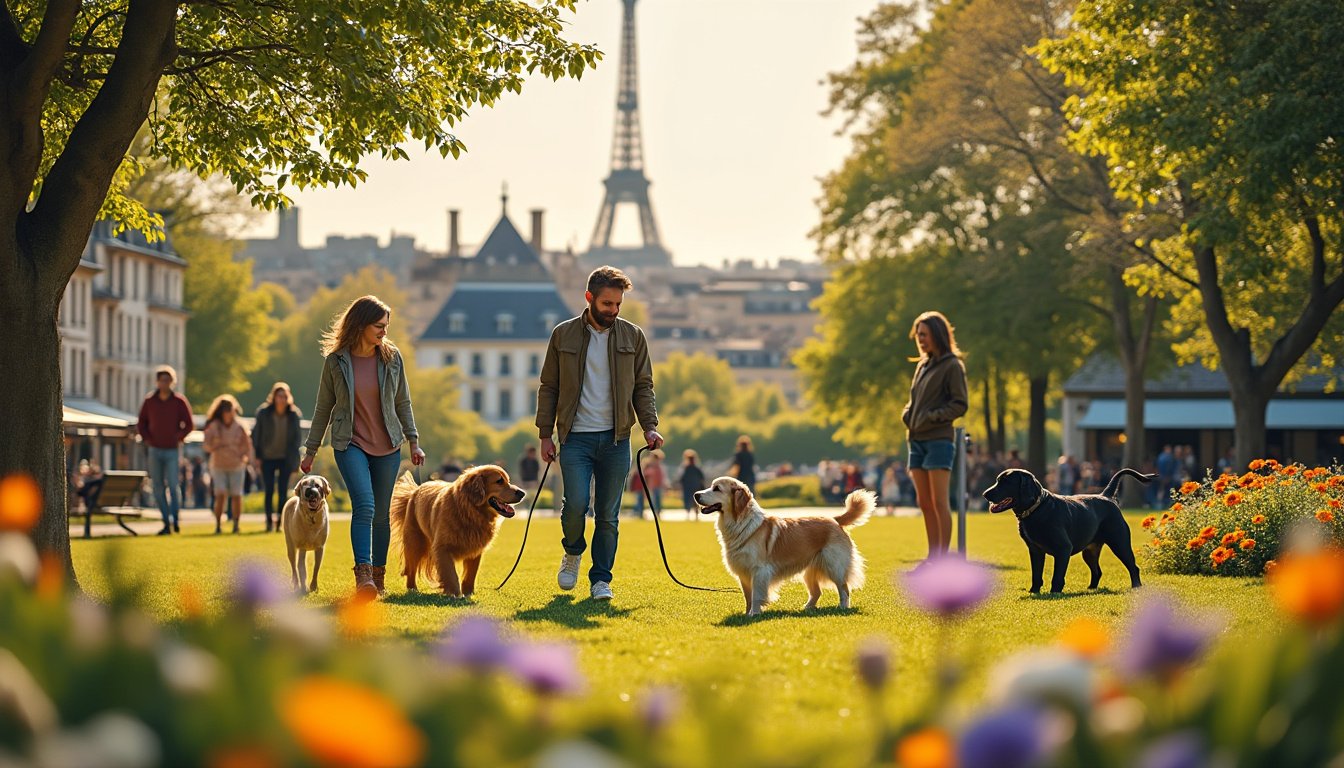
(873, 660)
(1179, 750)
(474, 642)
(1310, 585)
(20, 503)
(1085, 637)
(109, 740)
(255, 586)
(546, 668)
(1160, 642)
(18, 557)
(348, 725)
(658, 706)
(1042, 676)
(359, 617)
(1012, 738)
(926, 748)
(22, 698)
(948, 585)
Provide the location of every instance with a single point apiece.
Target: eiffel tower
(627, 184)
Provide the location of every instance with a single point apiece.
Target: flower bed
(1237, 525)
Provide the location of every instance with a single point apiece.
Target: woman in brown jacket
(937, 399)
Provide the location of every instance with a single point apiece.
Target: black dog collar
(1033, 507)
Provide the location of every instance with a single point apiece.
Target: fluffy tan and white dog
(763, 551)
(440, 524)
(305, 522)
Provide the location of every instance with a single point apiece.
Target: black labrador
(1063, 526)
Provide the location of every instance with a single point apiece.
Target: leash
(657, 526)
(527, 525)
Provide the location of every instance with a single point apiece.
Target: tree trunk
(31, 408)
(1248, 436)
(987, 441)
(1000, 434)
(1131, 494)
(1036, 461)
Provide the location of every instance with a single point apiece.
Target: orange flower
(1247, 545)
(348, 725)
(189, 599)
(360, 617)
(1196, 543)
(1272, 463)
(1189, 487)
(1177, 507)
(1325, 516)
(1208, 533)
(20, 503)
(1320, 487)
(1309, 586)
(926, 748)
(1247, 480)
(1258, 519)
(244, 756)
(1335, 481)
(1308, 474)
(50, 577)
(1257, 464)
(1233, 538)
(1085, 637)
(1149, 521)
(1288, 471)
(1222, 555)
(1220, 485)
(1233, 499)
(1208, 502)
(1336, 503)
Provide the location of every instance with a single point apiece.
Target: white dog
(763, 551)
(305, 522)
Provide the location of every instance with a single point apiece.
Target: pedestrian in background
(276, 440)
(230, 449)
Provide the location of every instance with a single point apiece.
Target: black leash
(526, 526)
(657, 526)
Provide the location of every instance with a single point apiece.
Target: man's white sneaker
(569, 572)
(601, 590)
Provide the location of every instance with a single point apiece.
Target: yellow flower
(1232, 499)
(1247, 545)
(1085, 637)
(20, 503)
(1189, 487)
(1257, 464)
(1149, 521)
(1258, 519)
(926, 748)
(1325, 516)
(1309, 586)
(348, 725)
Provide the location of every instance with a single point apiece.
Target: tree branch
(79, 180)
(12, 46)
(35, 73)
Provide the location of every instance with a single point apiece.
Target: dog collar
(1032, 508)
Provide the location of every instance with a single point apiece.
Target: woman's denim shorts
(931, 454)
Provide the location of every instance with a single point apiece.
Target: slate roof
(1103, 375)
(505, 257)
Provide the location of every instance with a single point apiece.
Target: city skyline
(734, 162)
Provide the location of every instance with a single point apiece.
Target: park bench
(118, 497)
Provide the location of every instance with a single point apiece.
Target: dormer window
(549, 319)
(504, 324)
(457, 323)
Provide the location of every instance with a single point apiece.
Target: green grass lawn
(792, 667)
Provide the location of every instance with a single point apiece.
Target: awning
(99, 408)
(1215, 414)
(74, 417)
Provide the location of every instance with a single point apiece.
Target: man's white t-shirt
(595, 413)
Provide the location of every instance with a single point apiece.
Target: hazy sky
(731, 93)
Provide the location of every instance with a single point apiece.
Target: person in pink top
(230, 449)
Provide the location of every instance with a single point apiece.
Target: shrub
(791, 491)
(1233, 525)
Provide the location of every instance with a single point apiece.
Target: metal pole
(962, 441)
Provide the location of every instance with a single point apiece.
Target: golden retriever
(305, 522)
(440, 523)
(763, 551)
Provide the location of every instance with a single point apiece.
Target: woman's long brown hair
(350, 323)
(942, 332)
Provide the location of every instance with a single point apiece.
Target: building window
(457, 323)
(477, 400)
(449, 358)
(549, 319)
(505, 365)
(533, 365)
(504, 324)
(505, 405)
(477, 367)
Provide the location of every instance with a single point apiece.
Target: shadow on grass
(1028, 596)
(567, 612)
(743, 620)
(428, 598)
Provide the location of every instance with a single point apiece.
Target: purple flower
(873, 662)
(948, 585)
(1160, 642)
(474, 642)
(547, 668)
(255, 586)
(1010, 738)
(660, 703)
(1179, 750)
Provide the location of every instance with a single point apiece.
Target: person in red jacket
(165, 421)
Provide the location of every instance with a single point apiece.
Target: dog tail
(1113, 487)
(858, 506)
(401, 497)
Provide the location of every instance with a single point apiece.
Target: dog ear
(326, 487)
(298, 485)
(477, 490)
(741, 497)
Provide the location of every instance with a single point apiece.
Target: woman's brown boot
(378, 572)
(365, 588)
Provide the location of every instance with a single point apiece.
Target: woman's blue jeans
(369, 480)
(597, 458)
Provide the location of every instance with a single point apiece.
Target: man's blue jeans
(598, 458)
(163, 479)
(369, 481)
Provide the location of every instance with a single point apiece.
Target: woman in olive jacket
(937, 399)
